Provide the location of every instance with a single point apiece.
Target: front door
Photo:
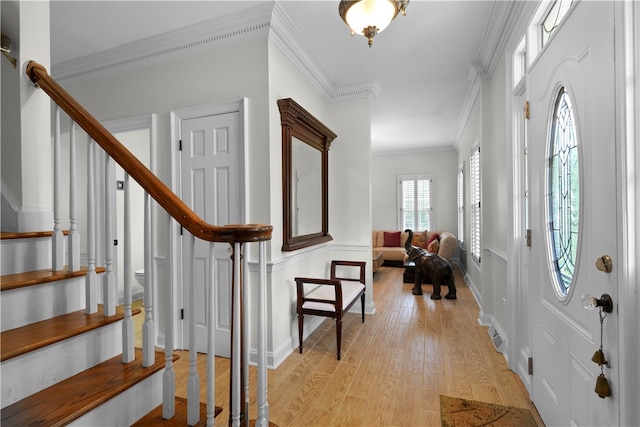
(574, 217)
(210, 168)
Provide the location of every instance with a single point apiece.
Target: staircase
(65, 359)
(60, 365)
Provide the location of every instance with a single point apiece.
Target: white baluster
(263, 405)
(211, 339)
(57, 239)
(236, 341)
(245, 339)
(74, 234)
(169, 376)
(92, 277)
(148, 327)
(128, 354)
(109, 279)
(193, 381)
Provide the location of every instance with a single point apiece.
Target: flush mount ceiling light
(370, 17)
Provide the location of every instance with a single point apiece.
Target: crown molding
(252, 24)
(262, 22)
(505, 16)
(414, 152)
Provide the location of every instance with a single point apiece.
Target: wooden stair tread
(154, 418)
(76, 396)
(11, 235)
(18, 341)
(37, 277)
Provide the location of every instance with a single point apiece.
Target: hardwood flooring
(393, 369)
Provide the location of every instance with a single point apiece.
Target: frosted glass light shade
(369, 17)
(370, 13)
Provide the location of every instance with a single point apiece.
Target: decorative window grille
(415, 204)
(461, 204)
(554, 17)
(563, 193)
(474, 171)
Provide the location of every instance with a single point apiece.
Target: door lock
(604, 263)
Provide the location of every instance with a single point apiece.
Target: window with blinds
(461, 204)
(474, 172)
(416, 210)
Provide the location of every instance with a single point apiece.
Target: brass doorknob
(604, 263)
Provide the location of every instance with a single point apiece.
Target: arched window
(563, 193)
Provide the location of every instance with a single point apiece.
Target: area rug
(456, 412)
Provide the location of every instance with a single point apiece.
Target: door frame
(627, 54)
(240, 106)
(627, 121)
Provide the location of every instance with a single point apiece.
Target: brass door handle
(604, 263)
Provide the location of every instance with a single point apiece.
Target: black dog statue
(430, 267)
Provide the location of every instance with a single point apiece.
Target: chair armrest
(301, 281)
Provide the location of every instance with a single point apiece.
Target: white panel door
(210, 168)
(580, 58)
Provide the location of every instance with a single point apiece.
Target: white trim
(266, 21)
(502, 258)
(427, 150)
(628, 48)
(223, 32)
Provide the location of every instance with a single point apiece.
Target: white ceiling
(421, 60)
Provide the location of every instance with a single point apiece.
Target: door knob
(605, 302)
(604, 263)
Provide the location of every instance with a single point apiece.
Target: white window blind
(474, 172)
(461, 204)
(415, 205)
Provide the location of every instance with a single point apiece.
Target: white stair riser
(25, 375)
(127, 407)
(32, 304)
(22, 255)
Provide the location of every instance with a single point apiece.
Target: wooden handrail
(137, 170)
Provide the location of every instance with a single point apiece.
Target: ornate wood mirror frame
(299, 126)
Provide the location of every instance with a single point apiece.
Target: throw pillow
(433, 247)
(420, 240)
(391, 239)
(434, 236)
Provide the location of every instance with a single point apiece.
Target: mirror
(305, 166)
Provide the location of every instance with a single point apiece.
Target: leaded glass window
(554, 18)
(564, 193)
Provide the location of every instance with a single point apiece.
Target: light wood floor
(393, 369)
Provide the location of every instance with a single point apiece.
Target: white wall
(442, 165)
(349, 199)
(487, 127)
(204, 79)
(495, 207)
(471, 136)
(260, 72)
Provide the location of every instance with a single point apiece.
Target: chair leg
(362, 303)
(339, 334)
(300, 328)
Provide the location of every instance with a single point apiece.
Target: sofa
(391, 244)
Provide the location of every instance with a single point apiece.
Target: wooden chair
(331, 297)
